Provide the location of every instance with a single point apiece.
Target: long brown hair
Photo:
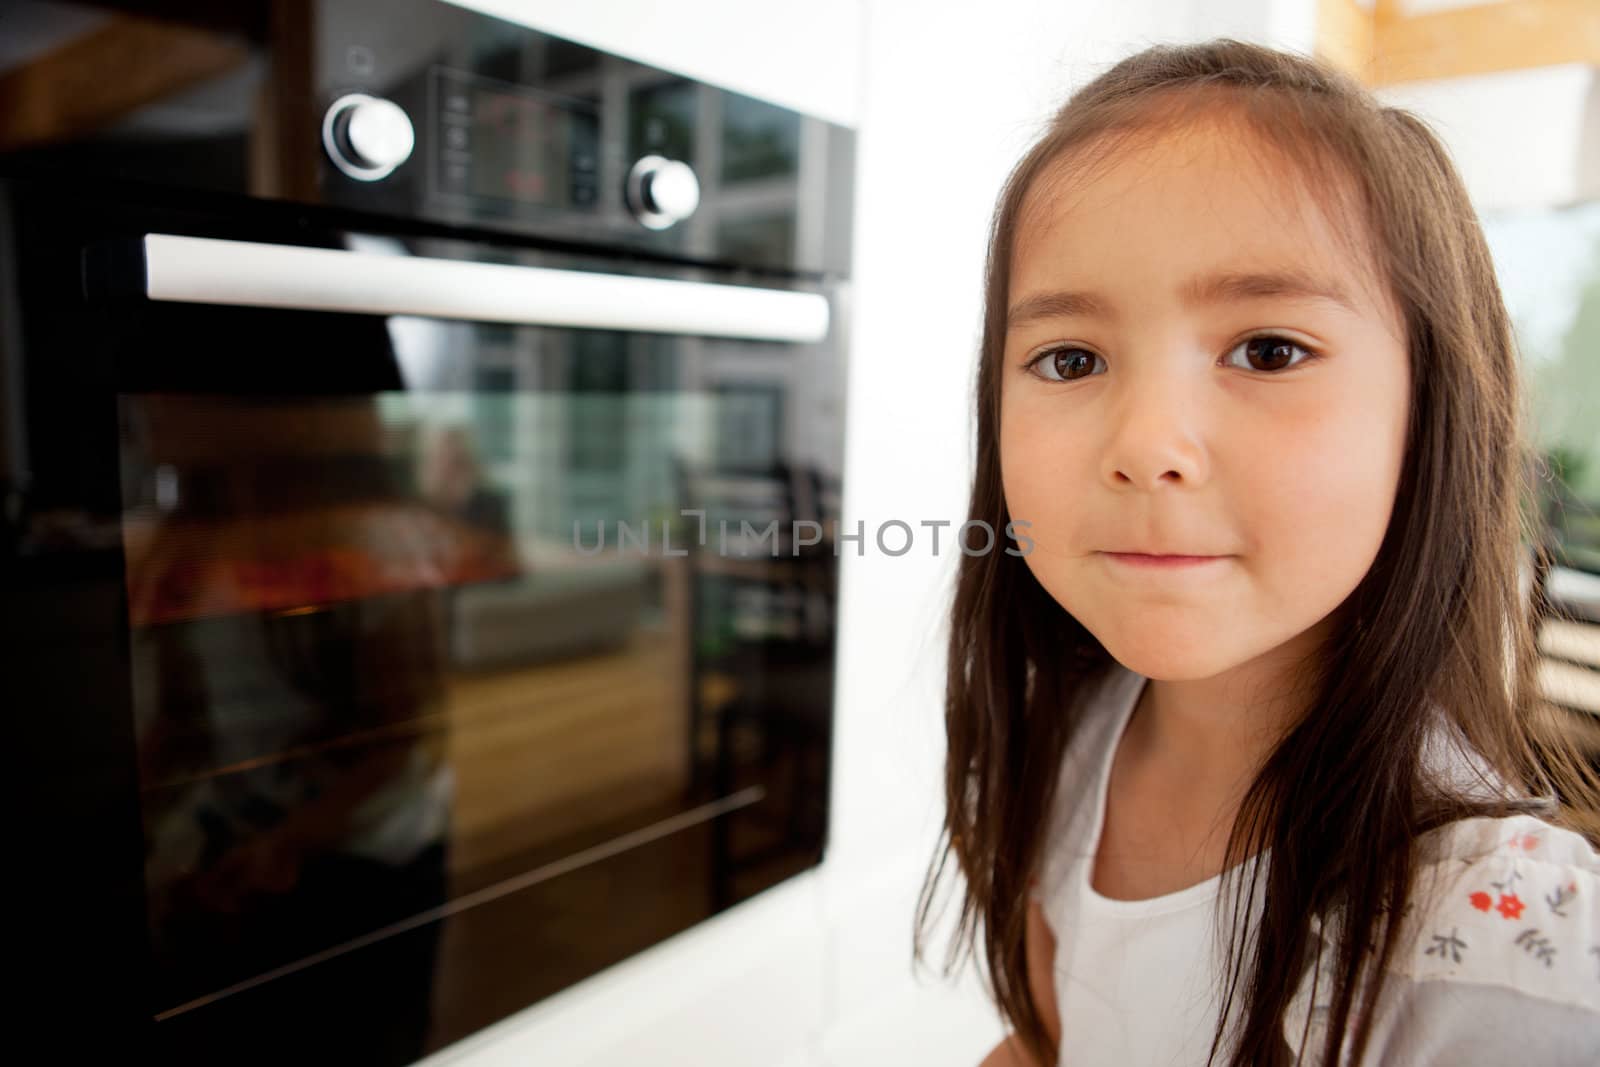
(1442, 621)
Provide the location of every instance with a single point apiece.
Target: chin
(1169, 655)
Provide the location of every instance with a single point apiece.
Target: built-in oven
(420, 439)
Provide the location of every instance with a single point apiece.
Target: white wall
(1507, 162)
(806, 56)
(945, 95)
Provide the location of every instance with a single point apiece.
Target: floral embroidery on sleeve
(1517, 910)
(1511, 903)
(1539, 946)
(1558, 897)
(1453, 944)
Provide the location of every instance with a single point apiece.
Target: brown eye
(1063, 364)
(1273, 352)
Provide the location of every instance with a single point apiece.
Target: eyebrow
(1221, 287)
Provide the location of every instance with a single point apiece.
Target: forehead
(1156, 211)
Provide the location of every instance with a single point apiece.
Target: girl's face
(1138, 415)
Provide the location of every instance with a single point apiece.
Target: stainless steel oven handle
(205, 270)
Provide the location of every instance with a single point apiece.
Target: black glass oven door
(448, 623)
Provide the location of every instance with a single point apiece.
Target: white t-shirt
(1503, 962)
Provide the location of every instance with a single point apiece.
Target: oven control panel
(467, 120)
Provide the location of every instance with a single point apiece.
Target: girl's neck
(1170, 807)
(1195, 749)
(1214, 733)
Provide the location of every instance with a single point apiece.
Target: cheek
(1045, 470)
(1319, 501)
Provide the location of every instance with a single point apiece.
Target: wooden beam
(1509, 35)
(1346, 36)
(1383, 46)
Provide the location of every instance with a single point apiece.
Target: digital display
(503, 142)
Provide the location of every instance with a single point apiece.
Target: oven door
(401, 629)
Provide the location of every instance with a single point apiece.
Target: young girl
(1246, 761)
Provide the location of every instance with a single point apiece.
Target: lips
(1160, 555)
(1170, 562)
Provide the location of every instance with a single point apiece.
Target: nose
(1154, 427)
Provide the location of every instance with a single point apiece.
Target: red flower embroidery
(1510, 906)
(1481, 900)
(1530, 841)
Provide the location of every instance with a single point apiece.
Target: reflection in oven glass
(759, 140)
(661, 120)
(758, 238)
(386, 691)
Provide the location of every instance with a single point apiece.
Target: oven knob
(662, 191)
(367, 136)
